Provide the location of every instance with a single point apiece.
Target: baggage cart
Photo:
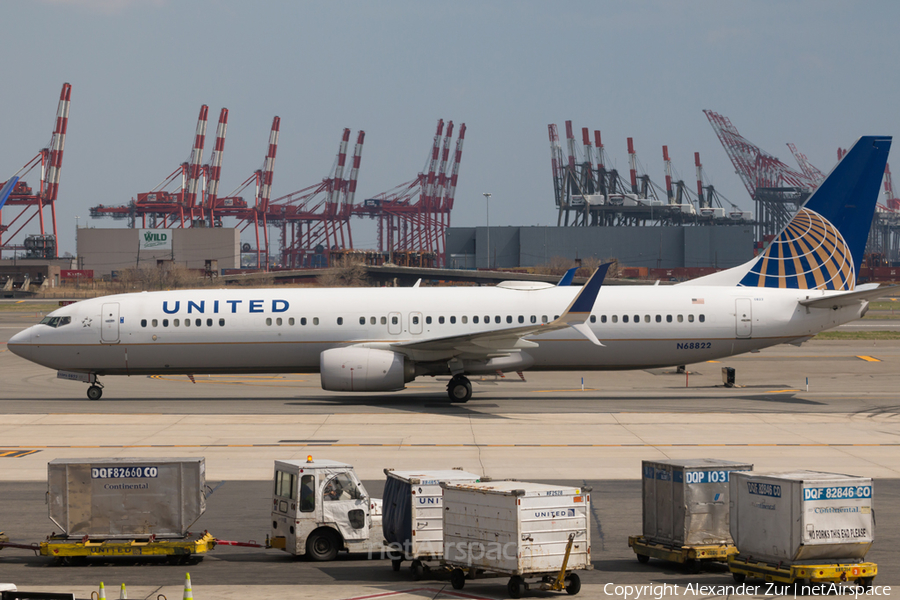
(178, 551)
(692, 557)
(520, 529)
(412, 515)
(861, 573)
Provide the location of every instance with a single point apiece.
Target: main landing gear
(459, 389)
(95, 391)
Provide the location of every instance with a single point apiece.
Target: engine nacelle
(364, 370)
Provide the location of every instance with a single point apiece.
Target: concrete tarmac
(546, 428)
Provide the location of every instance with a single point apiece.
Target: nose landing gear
(95, 391)
(459, 389)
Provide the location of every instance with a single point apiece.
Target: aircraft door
(415, 323)
(346, 507)
(109, 329)
(743, 315)
(395, 323)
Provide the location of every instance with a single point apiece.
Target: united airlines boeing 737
(375, 340)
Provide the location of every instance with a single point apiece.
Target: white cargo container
(125, 498)
(516, 528)
(686, 502)
(413, 514)
(802, 517)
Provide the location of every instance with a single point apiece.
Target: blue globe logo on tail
(810, 254)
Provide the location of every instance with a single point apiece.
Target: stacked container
(123, 498)
(802, 517)
(686, 502)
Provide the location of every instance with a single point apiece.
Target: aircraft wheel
(94, 392)
(459, 389)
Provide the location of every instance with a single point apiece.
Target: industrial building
(105, 251)
(652, 247)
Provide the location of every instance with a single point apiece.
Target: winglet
(568, 277)
(7, 190)
(580, 308)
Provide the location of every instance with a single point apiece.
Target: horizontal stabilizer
(835, 301)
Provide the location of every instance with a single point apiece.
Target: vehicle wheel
(321, 546)
(416, 569)
(643, 559)
(459, 389)
(514, 587)
(573, 584)
(395, 564)
(94, 392)
(692, 565)
(866, 582)
(739, 577)
(457, 579)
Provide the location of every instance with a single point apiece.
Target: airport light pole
(487, 205)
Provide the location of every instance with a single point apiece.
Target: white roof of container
(803, 475)
(698, 463)
(446, 475)
(513, 487)
(315, 464)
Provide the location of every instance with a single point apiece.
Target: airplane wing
(835, 301)
(485, 343)
(7, 189)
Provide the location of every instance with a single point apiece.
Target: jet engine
(364, 370)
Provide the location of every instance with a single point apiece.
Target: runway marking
(780, 391)
(376, 445)
(869, 358)
(566, 390)
(16, 453)
(431, 592)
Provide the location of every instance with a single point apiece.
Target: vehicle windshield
(56, 321)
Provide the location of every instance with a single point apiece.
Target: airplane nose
(16, 343)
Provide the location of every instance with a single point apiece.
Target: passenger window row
(647, 318)
(180, 323)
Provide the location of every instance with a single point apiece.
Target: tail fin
(7, 189)
(822, 247)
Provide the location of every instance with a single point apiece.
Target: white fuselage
(286, 330)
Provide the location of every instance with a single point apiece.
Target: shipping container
(515, 527)
(685, 502)
(412, 510)
(123, 498)
(802, 517)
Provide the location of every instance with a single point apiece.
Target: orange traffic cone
(123, 595)
(188, 593)
(101, 595)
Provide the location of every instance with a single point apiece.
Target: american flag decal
(697, 301)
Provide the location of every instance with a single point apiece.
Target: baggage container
(802, 517)
(685, 502)
(515, 527)
(412, 510)
(124, 498)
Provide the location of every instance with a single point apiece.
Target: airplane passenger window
(302, 320)
(556, 317)
(615, 318)
(154, 322)
(165, 322)
(176, 323)
(315, 320)
(290, 321)
(441, 320)
(659, 318)
(534, 318)
(603, 318)
(222, 322)
(209, 322)
(384, 320)
(475, 319)
(428, 320)
(362, 320)
(637, 318)
(509, 318)
(143, 322)
(452, 320)
(465, 319)
(340, 320)
(680, 319)
(497, 319)
(198, 322)
(277, 321)
(521, 319)
(373, 321)
(187, 322)
(269, 321)
(668, 318)
(690, 318)
(624, 318)
(394, 320)
(646, 318)
(415, 320)
(544, 319)
(593, 318)
(702, 318)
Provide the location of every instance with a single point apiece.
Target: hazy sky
(816, 73)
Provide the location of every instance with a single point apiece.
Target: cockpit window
(56, 321)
